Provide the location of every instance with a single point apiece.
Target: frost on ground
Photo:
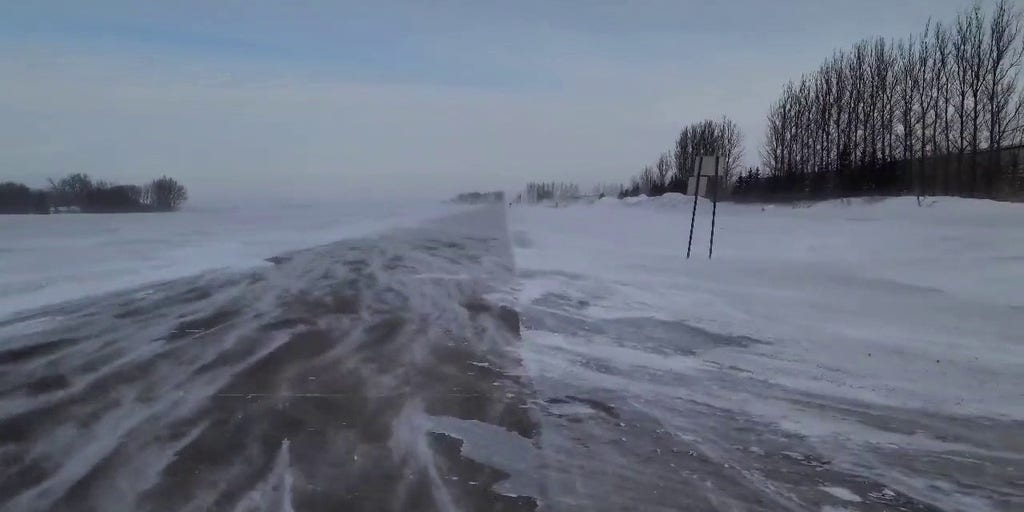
(859, 355)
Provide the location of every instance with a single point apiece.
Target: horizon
(324, 101)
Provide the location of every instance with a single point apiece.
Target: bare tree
(969, 50)
(72, 189)
(775, 149)
(683, 154)
(923, 90)
(877, 114)
(905, 94)
(165, 194)
(1004, 55)
(663, 169)
(730, 148)
(670, 171)
(647, 180)
(941, 80)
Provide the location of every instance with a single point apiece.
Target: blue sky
(331, 99)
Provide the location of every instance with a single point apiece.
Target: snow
(841, 493)
(885, 334)
(877, 301)
(829, 353)
(46, 259)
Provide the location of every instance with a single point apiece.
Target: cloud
(231, 131)
(326, 99)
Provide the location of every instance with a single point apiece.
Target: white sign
(704, 183)
(705, 165)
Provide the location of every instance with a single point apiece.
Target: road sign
(691, 184)
(705, 165)
(705, 171)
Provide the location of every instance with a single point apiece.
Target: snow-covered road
(854, 355)
(361, 375)
(839, 357)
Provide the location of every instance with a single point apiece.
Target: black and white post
(692, 184)
(714, 208)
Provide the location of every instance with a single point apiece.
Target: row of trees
(544, 192)
(496, 196)
(670, 171)
(18, 198)
(79, 192)
(926, 114)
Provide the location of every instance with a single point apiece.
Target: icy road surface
(364, 375)
(833, 358)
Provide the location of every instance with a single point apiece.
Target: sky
(325, 100)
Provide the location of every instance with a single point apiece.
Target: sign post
(707, 167)
(714, 209)
(695, 182)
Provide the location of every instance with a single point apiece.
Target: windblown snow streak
(351, 376)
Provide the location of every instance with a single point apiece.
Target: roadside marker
(703, 168)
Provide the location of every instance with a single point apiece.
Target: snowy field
(883, 337)
(50, 258)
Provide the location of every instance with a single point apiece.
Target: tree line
(940, 112)
(669, 173)
(933, 113)
(496, 196)
(547, 192)
(79, 192)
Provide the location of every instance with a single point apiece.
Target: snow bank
(666, 201)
